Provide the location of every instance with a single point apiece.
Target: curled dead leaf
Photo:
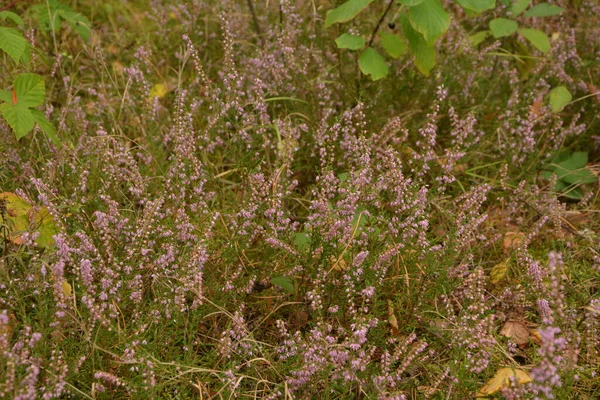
(393, 321)
(502, 379)
(516, 331)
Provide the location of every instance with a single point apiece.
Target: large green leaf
(372, 63)
(49, 17)
(518, 7)
(352, 42)
(477, 6)
(559, 97)
(501, 27)
(430, 19)
(424, 53)
(393, 44)
(18, 117)
(345, 12)
(302, 241)
(6, 96)
(537, 38)
(12, 16)
(544, 10)
(30, 90)
(13, 43)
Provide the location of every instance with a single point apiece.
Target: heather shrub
(236, 211)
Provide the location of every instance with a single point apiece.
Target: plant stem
(389, 6)
(256, 23)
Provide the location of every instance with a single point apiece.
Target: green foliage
(346, 12)
(284, 282)
(352, 42)
(50, 16)
(571, 172)
(559, 97)
(372, 63)
(12, 42)
(18, 106)
(428, 21)
(501, 27)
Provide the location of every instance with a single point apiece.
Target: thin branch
(9, 5)
(387, 10)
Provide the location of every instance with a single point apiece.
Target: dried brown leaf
(502, 380)
(516, 331)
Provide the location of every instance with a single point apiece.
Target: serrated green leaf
(518, 7)
(13, 43)
(430, 19)
(410, 3)
(559, 97)
(477, 6)
(12, 16)
(479, 37)
(302, 241)
(505, 2)
(284, 282)
(372, 63)
(501, 27)
(45, 125)
(537, 38)
(544, 10)
(18, 117)
(393, 44)
(78, 22)
(30, 90)
(352, 42)
(345, 12)
(424, 53)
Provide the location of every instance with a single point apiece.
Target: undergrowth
(243, 215)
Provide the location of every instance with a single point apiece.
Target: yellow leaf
(392, 318)
(159, 90)
(66, 287)
(22, 217)
(502, 380)
(499, 272)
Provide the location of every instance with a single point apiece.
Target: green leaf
(345, 12)
(479, 37)
(501, 27)
(45, 125)
(537, 38)
(410, 3)
(30, 90)
(13, 43)
(284, 282)
(6, 96)
(477, 6)
(518, 7)
(50, 15)
(78, 22)
(18, 117)
(352, 42)
(505, 2)
(430, 19)
(559, 97)
(372, 63)
(544, 10)
(12, 16)
(570, 191)
(424, 53)
(302, 241)
(393, 44)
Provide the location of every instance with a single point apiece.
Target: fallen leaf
(67, 290)
(512, 240)
(516, 331)
(22, 217)
(498, 273)
(393, 321)
(536, 108)
(502, 380)
(338, 264)
(159, 90)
